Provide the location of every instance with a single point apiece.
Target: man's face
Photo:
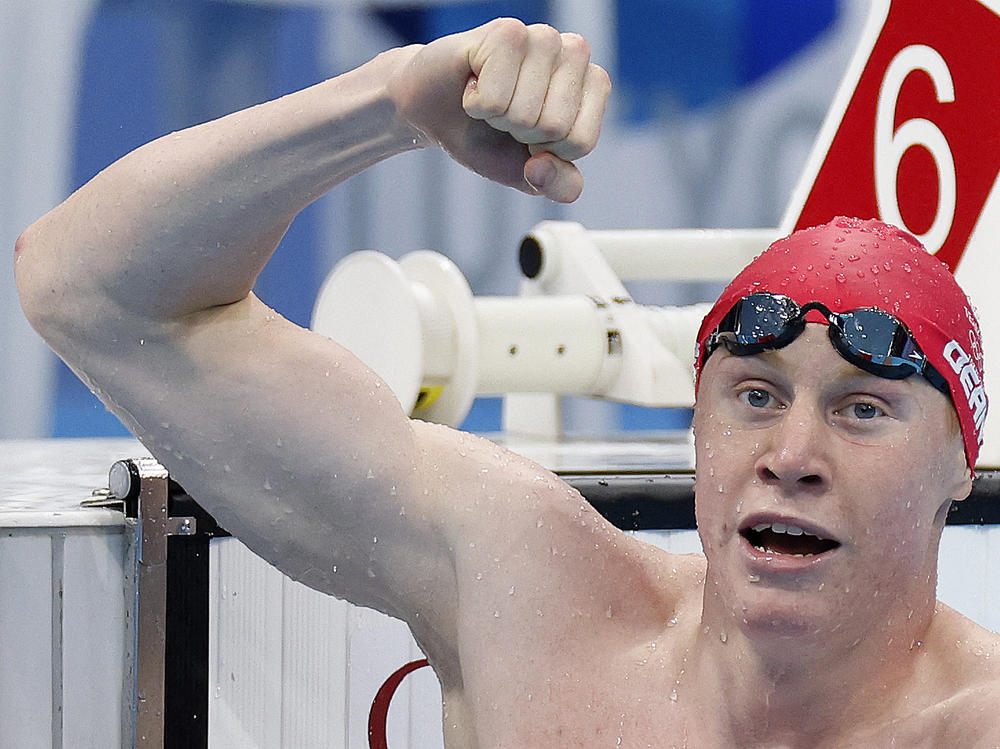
(821, 489)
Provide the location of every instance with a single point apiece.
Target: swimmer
(824, 469)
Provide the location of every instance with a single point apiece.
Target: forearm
(186, 222)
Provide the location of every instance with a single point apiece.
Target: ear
(961, 474)
(963, 485)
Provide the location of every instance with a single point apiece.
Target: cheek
(725, 469)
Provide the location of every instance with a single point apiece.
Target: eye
(757, 398)
(865, 411)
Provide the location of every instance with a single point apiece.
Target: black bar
(186, 678)
(665, 501)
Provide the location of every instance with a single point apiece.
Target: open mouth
(782, 538)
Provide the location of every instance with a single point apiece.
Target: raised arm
(141, 281)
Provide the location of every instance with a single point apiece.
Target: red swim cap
(849, 263)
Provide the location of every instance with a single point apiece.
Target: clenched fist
(518, 104)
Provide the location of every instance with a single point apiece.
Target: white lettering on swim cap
(968, 375)
(969, 378)
(977, 402)
(952, 348)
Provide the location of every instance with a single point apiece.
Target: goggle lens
(869, 338)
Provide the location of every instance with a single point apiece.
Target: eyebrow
(846, 374)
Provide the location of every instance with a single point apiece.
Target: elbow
(24, 276)
(36, 283)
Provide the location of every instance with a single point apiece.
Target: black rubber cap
(530, 257)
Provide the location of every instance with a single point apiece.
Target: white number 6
(890, 146)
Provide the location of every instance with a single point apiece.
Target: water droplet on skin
(841, 278)
(672, 622)
(723, 636)
(673, 695)
(511, 591)
(754, 578)
(861, 274)
(370, 474)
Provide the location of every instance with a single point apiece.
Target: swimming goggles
(869, 338)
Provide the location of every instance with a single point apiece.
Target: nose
(794, 457)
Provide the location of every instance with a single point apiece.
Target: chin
(783, 624)
(766, 613)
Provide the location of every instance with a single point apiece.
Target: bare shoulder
(969, 672)
(975, 650)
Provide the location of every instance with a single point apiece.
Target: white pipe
(680, 255)
(540, 345)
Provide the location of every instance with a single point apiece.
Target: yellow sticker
(427, 396)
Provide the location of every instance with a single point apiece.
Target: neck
(792, 684)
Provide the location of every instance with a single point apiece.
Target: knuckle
(512, 32)
(490, 107)
(598, 78)
(521, 123)
(544, 37)
(553, 128)
(575, 44)
(576, 147)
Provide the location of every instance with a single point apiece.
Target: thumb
(553, 177)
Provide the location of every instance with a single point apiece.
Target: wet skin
(546, 626)
(846, 648)
(799, 435)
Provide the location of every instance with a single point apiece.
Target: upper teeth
(791, 530)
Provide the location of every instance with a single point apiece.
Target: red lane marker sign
(918, 144)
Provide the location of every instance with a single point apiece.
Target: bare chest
(639, 701)
(579, 697)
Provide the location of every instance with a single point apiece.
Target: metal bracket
(141, 487)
